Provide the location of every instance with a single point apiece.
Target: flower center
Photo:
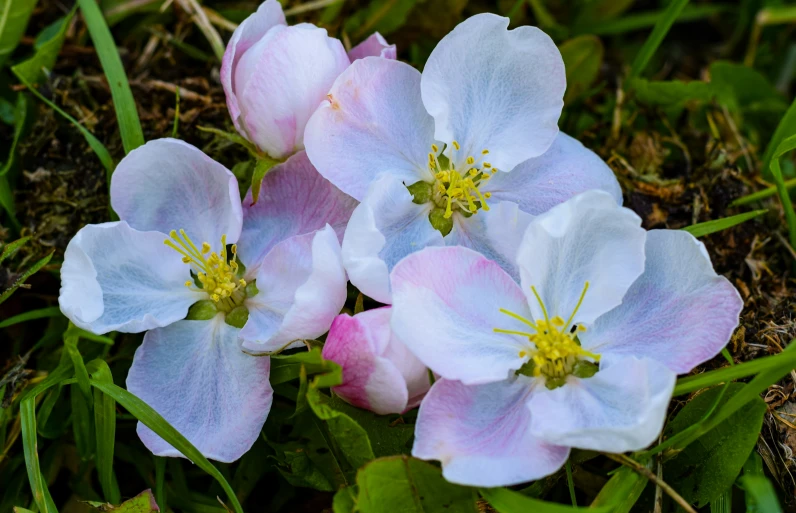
(554, 351)
(458, 189)
(215, 272)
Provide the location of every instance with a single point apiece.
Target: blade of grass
(786, 126)
(25, 275)
(160, 482)
(41, 495)
(761, 195)
(643, 20)
(507, 501)
(152, 419)
(655, 39)
(14, 16)
(105, 424)
(123, 101)
(42, 313)
(717, 225)
(784, 147)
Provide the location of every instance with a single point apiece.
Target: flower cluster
(525, 310)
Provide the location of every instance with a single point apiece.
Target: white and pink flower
(186, 239)
(422, 152)
(582, 352)
(275, 76)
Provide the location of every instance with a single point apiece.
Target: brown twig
(644, 471)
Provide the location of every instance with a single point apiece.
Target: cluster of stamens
(555, 350)
(459, 189)
(216, 272)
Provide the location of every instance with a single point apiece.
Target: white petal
(566, 169)
(496, 89)
(619, 409)
(383, 229)
(373, 46)
(495, 233)
(167, 185)
(446, 304)
(281, 80)
(194, 374)
(251, 30)
(375, 122)
(679, 312)
(586, 239)
(115, 278)
(294, 199)
(302, 287)
(481, 434)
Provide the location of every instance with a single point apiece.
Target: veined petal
(194, 374)
(482, 435)
(168, 184)
(373, 46)
(302, 287)
(374, 122)
(566, 169)
(446, 304)
(379, 373)
(294, 199)
(115, 278)
(495, 233)
(383, 229)
(619, 409)
(496, 89)
(679, 312)
(251, 30)
(281, 80)
(588, 238)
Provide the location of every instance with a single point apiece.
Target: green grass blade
(20, 114)
(655, 39)
(690, 384)
(14, 16)
(36, 69)
(25, 275)
(123, 101)
(12, 247)
(105, 424)
(31, 315)
(717, 225)
(784, 147)
(158, 424)
(41, 495)
(761, 195)
(507, 501)
(786, 127)
(645, 20)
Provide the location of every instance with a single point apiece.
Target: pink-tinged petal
(194, 374)
(302, 287)
(481, 434)
(374, 122)
(294, 200)
(679, 312)
(115, 278)
(168, 184)
(619, 409)
(253, 28)
(374, 46)
(379, 373)
(495, 233)
(383, 229)
(566, 169)
(496, 89)
(588, 238)
(281, 80)
(446, 304)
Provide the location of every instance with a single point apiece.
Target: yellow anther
(435, 148)
(186, 260)
(188, 283)
(470, 160)
(484, 152)
(205, 248)
(557, 321)
(456, 145)
(486, 164)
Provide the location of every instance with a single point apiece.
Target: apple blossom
(275, 75)
(185, 243)
(422, 152)
(583, 352)
(379, 372)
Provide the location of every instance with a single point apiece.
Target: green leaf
(105, 424)
(704, 470)
(583, 57)
(785, 128)
(404, 484)
(671, 96)
(345, 500)
(152, 419)
(784, 147)
(20, 115)
(642, 20)
(123, 101)
(507, 501)
(12, 247)
(622, 491)
(261, 168)
(285, 368)
(31, 315)
(598, 11)
(25, 275)
(388, 435)
(655, 38)
(348, 436)
(760, 494)
(144, 502)
(740, 87)
(383, 16)
(14, 16)
(41, 494)
(717, 225)
(36, 69)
